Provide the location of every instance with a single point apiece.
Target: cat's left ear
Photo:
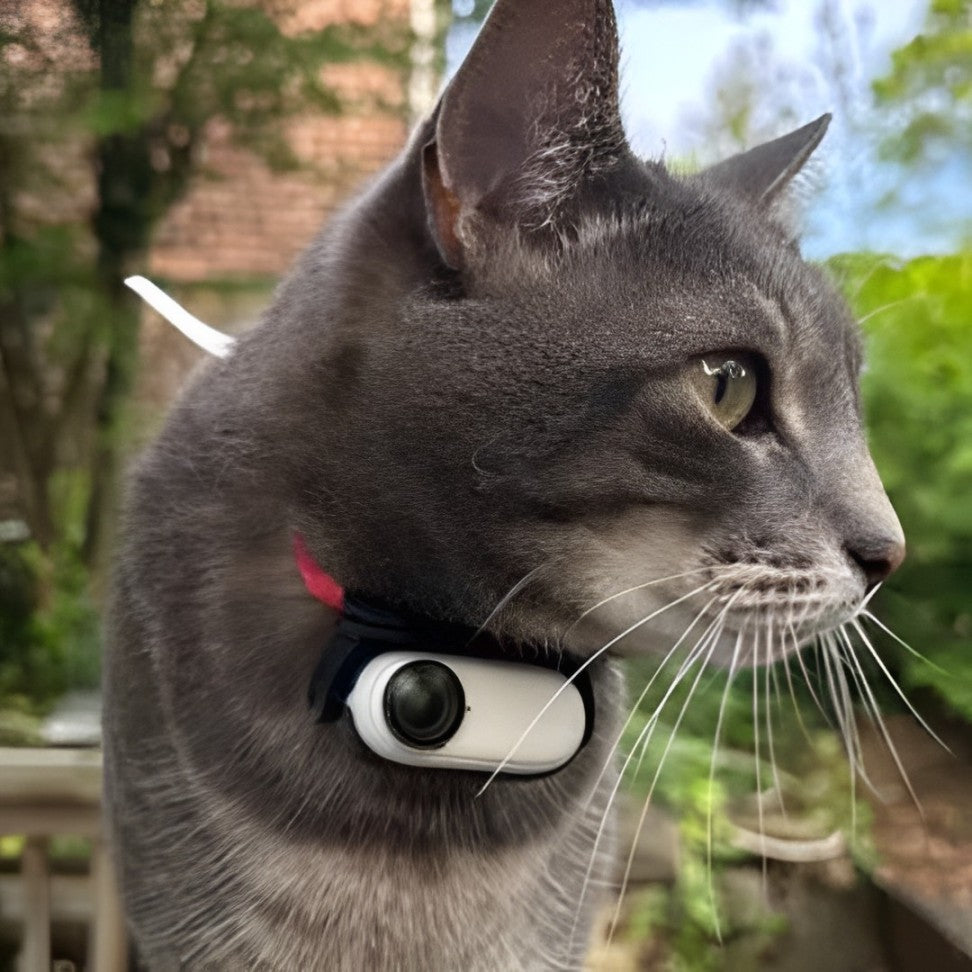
(763, 173)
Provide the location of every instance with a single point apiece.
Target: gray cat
(525, 361)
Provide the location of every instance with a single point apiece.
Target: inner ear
(531, 112)
(442, 206)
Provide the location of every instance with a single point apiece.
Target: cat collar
(435, 694)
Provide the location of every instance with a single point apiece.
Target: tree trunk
(121, 224)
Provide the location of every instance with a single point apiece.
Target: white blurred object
(202, 335)
(514, 717)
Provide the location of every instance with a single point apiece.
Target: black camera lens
(424, 704)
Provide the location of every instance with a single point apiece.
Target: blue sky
(804, 57)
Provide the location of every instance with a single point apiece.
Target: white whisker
(852, 738)
(868, 597)
(789, 680)
(712, 763)
(641, 587)
(582, 667)
(852, 662)
(892, 749)
(758, 755)
(644, 812)
(510, 594)
(862, 634)
(770, 667)
(651, 722)
(651, 681)
(806, 676)
(904, 644)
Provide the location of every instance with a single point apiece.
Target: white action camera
(458, 712)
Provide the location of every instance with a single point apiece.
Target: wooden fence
(46, 793)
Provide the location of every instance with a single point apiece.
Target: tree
(930, 85)
(103, 113)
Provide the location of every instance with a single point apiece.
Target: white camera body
(499, 700)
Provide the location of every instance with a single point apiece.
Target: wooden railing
(46, 793)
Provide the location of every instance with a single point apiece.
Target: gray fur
(436, 435)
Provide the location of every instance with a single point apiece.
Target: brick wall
(244, 219)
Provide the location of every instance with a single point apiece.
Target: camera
(461, 712)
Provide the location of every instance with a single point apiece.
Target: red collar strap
(318, 582)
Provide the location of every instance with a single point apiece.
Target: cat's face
(592, 376)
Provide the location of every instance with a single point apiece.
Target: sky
(669, 52)
(675, 54)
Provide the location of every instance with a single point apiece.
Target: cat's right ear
(531, 112)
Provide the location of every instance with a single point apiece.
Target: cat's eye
(726, 384)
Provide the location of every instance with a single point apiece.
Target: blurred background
(202, 142)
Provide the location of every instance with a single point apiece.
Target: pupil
(424, 703)
(722, 383)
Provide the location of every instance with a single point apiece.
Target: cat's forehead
(674, 282)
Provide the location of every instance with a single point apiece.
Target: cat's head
(528, 361)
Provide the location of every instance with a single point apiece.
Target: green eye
(726, 385)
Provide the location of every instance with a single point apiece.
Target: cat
(526, 372)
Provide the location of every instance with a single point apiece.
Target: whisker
(621, 773)
(792, 691)
(774, 674)
(892, 749)
(510, 594)
(641, 587)
(584, 665)
(884, 307)
(862, 634)
(644, 812)
(758, 755)
(712, 763)
(789, 673)
(708, 638)
(769, 667)
(851, 661)
(855, 761)
(853, 737)
(904, 644)
(840, 704)
(869, 596)
(806, 676)
(700, 647)
(651, 681)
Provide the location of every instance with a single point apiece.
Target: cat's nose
(877, 556)
(873, 538)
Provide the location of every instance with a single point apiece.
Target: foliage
(918, 394)
(930, 83)
(709, 786)
(48, 622)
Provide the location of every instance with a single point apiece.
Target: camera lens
(424, 703)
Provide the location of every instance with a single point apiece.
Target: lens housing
(424, 704)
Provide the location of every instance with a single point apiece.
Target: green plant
(918, 399)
